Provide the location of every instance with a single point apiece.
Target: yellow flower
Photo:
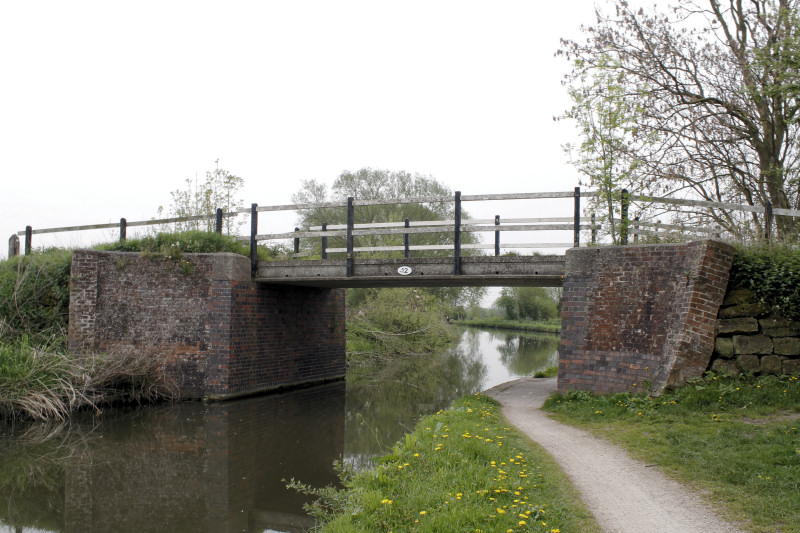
(387, 502)
(423, 513)
(500, 511)
(521, 522)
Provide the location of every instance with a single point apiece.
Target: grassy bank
(463, 469)
(41, 381)
(737, 439)
(549, 326)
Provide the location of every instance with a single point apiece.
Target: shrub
(773, 274)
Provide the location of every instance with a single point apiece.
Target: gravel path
(623, 494)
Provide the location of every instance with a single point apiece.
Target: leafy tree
(531, 303)
(219, 190)
(607, 119)
(371, 184)
(716, 91)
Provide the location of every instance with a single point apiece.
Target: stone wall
(639, 316)
(752, 339)
(218, 334)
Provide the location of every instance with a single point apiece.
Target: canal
(220, 467)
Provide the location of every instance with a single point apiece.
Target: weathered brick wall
(640, 315)
(751, 338)
(218, 334)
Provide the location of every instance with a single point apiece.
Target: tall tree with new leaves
(607, 120)
(716, 85)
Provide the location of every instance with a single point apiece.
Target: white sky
(105, 107)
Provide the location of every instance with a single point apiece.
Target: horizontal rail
(420, 247)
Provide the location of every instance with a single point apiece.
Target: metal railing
(350, 231)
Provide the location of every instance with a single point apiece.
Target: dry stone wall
(750, 338)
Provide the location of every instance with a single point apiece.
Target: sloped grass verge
(463, 469)
(738, 439)
(543, 326)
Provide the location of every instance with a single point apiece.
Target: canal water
(221, 467)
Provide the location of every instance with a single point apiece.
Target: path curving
(623, 494)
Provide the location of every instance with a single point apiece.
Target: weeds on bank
(41, 381)
(463, 469)
(548, 326)
(738, 438)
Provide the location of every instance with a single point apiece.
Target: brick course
(640, 315)
(218, 334)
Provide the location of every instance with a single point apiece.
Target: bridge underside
(503, 271)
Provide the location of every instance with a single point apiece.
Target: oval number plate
(404, 270)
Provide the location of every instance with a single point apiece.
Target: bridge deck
(503, 271)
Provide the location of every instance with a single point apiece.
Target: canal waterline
(220, 467)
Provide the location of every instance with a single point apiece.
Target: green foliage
(40, 381)
(549, 372)
(531, 303)
(219, 190)
(34, 295)
(773, 274)
(736, 438)
(460, 470)
(607, 119)
(400, 321)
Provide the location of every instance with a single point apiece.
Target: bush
(397, 322)
(34, 295)
(773, 274)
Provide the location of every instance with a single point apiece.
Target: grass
(549, 326)
(42, 382)
(736, 439)
(549, 372)
(463, 469)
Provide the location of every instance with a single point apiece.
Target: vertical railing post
(253, 242)
(28, 239)
(769, 216)
(623, 230)
(406, 240)
(636, 230)
(324, 252)
(13, 246)
(497, 236)
(218, 221)
(349, 238)
(594, 229)
(123, 229)
(457, 236)
(297, 242)
(576, 225)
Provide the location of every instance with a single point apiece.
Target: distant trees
(702, 98)
(369, 184)
(531, 303)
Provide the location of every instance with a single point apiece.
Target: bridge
(230, 325)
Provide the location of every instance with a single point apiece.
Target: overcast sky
(105, 107)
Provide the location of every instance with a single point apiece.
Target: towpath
(624, 495)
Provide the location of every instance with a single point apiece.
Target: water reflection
(385, 399)
(218, 467)
(184, 467)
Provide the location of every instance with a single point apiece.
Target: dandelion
(423, 513)
(521, 523)
(386, 502)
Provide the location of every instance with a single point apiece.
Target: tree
(219, 190)
(531, 303)
(370, 184)
(716, 90)
(607, 119)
